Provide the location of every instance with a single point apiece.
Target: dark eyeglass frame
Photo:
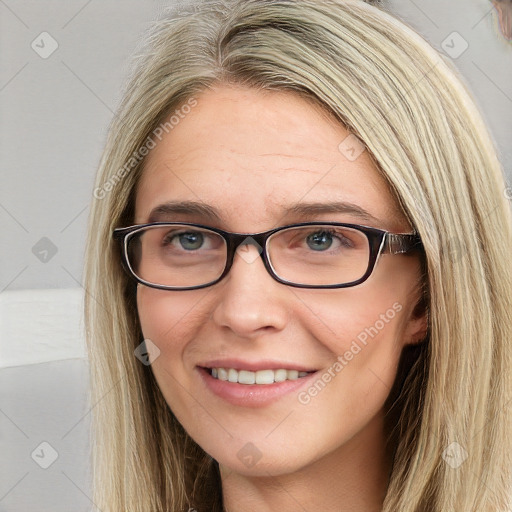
(380, 241)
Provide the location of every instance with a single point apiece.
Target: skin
(250, 154)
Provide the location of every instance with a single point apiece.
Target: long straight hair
(419, 123)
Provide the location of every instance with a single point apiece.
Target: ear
(417, 327)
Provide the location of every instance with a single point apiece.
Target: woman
(298, 279)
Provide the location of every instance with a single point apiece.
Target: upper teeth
(259, 377)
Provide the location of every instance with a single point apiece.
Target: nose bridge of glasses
(241, 245)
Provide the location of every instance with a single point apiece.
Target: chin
(259, 458)
(276, 466)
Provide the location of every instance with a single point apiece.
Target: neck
(352, 478)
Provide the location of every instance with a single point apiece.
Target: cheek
(365, 344)
(363, 328)
(357, 315)
(169, 318)
(364, 336)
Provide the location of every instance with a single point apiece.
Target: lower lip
(251, 395)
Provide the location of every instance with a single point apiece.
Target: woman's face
(251, 156)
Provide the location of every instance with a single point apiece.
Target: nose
(251, 301)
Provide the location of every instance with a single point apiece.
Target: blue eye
(320, 240)
(191, 241)
(323, 240)
(188, 240)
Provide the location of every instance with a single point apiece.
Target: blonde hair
(420, 125)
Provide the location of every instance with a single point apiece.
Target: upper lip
(254, 366)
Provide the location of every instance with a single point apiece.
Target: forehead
(250, 154)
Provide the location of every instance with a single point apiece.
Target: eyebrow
(301, 210)
(183, 208)
(312, 209)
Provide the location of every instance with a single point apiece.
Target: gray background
(54, 116)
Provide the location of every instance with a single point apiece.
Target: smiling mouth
(258, 377)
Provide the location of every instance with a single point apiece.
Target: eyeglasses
(187, 256)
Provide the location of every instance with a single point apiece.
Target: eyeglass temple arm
(401, 243)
